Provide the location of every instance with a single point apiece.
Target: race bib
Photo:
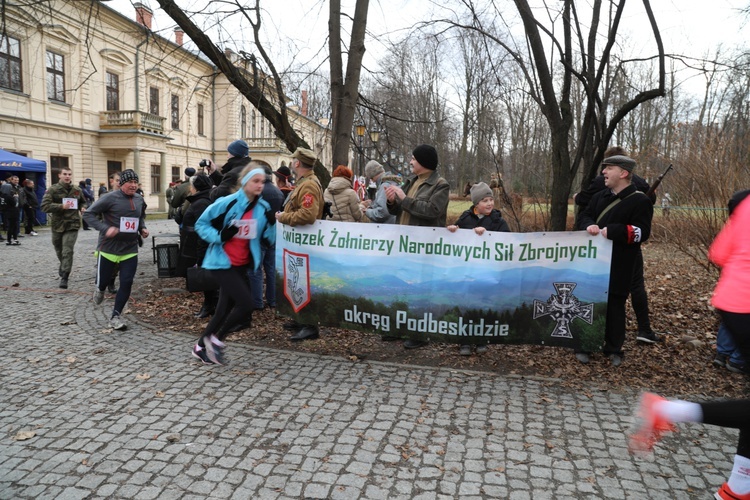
(248, 228)
(129, 224)
(70, 203)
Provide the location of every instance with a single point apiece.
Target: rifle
(656, 183)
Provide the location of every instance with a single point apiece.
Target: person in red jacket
(730, 251)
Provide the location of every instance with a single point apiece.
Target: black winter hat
(426, 155)
(202, 182)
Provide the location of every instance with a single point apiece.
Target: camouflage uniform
(65, 222)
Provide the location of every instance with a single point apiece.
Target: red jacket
(731, 251)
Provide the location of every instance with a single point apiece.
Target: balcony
(129, 121)
(267, 145)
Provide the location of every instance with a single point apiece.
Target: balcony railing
(129, 120)
(266, 144)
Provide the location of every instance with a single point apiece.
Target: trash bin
(166, 259)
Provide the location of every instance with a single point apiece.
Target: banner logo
(563, 308)
(297, 279)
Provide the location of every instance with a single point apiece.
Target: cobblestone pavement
(131, 415)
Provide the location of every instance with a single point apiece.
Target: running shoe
(200, 353)
(214, 352)
(725, 493)
(650, 425)
(116, 323)
(98, 296)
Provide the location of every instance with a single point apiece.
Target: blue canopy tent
(11, 163)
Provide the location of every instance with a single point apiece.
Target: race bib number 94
(129, 224)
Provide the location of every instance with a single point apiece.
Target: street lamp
(401, 161)
(360, 130)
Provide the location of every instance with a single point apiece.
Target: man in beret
(622, 214)
(303, 206)
(638, 294)
(421, 201)
(284, 180)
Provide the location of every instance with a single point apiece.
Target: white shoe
(33, 233)
(116, 323)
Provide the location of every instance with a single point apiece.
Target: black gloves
(228, 232)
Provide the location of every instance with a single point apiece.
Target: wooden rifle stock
(656, 183)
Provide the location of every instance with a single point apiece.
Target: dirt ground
(679, 294)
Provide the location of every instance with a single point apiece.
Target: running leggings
(736, 413)
(105, 272)
(235, 301)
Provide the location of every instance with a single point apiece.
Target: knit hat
(479, 191)
(373, 169)
(127, 176)
(238, 148)
(622, 161)
(426, 155)
(190, 171)
(88, 181)
(306, 156)
(343, 171)
(202, 182)
(283, 173)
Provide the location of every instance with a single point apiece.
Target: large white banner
(414, 282)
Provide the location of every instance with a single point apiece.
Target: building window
(56, 163)
(262, 127)
(175, 112)
(200, 120)
(155, 178)
(153, 101)
(176, 174)
(113, 92)
(113, 167)
(243, 121)
(252, 123)
(10, 63)
(55, 76)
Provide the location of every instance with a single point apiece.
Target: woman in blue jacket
(233, 227)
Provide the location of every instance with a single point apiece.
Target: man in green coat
(64, 202)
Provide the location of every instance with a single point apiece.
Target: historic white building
(83, 86)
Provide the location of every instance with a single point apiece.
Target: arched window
(252, 123)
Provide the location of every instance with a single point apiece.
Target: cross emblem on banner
(563, 308)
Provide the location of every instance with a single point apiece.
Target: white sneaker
(98, 296)
(116, 323)
(33, 233)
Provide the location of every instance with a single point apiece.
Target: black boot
(64, 280)
(203, 313)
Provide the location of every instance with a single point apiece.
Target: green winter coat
(63, 219)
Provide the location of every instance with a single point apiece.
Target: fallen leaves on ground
(679, 297)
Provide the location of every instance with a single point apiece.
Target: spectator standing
(11, 203)
(30, 205)
(102, 189)
(88, 195)
(227, 179)
(304, 206)
(421, 201)
(64, 202)
(284, 180)
(233, 226)
(120, 218)
(638, 294)
(344, 200)
(182, 190)
(622, 214)
(481, 216)
(169, 194)
(193, 248)
(275, 199)
(377, 209)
